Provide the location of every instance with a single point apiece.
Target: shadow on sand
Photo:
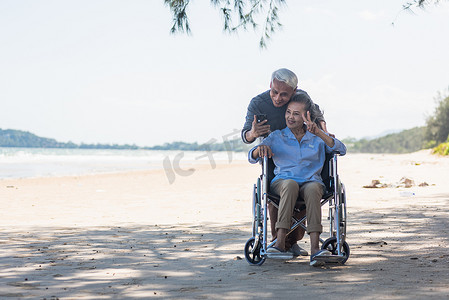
(395, 254)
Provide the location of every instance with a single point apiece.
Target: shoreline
(145, 187)
(51, 162)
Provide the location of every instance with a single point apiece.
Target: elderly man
(273, 104)
(298, 152)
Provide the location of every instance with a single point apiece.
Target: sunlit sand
(134, 235)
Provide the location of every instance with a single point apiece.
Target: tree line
(25, 139)
(435, 134)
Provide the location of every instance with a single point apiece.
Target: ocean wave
(39, 162)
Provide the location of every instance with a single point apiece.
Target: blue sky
(109, 71)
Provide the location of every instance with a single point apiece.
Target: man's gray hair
(286, 76)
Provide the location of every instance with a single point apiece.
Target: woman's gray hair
(301, 97)
(286, 76)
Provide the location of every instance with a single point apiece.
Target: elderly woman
(298, 152)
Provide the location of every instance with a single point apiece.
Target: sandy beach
(134, 235)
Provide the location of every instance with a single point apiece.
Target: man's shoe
(297, 251)
(274, 252)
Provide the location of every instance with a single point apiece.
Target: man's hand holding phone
(259, 127)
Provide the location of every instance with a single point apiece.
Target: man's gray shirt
(262, 104)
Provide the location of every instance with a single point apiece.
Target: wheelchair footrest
(284, 256)
(336, 259)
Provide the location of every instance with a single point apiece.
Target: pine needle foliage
(420, 4)
(254, 14)
(236, 15)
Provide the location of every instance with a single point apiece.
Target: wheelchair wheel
(341, 204)
(331, 245)
(343, 211)
(253, 258)
(256, 208)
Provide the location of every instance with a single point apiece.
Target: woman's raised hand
(311, 126)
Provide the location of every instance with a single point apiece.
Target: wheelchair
(256, 247)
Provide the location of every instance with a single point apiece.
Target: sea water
(44, 162)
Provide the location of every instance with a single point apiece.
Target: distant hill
(17, 138)
(25, 139)
(233, 145)
(405, 141)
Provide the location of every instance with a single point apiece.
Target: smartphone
(260, 118)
